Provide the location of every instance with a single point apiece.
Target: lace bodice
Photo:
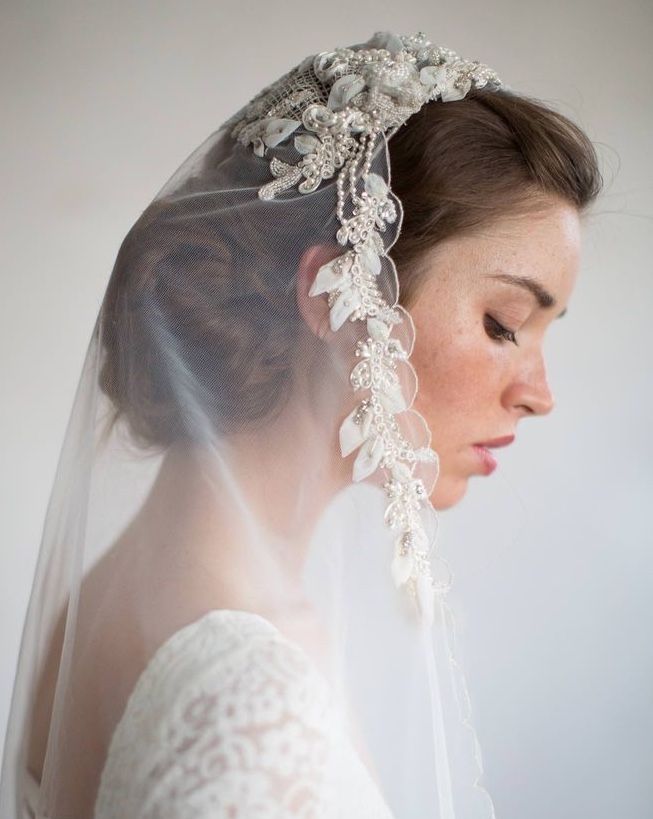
(231, 720)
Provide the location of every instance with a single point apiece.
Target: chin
(448, 492)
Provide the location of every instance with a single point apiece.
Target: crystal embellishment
(335, 106)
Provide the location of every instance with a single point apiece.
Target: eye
(497, 331)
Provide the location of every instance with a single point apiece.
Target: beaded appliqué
(344, 100)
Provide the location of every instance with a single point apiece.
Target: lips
(497, 442)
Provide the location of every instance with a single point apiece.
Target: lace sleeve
(229, 720)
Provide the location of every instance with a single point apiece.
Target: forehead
(543, 246)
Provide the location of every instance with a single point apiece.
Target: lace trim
(231, 719)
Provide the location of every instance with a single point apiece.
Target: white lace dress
(231, 720)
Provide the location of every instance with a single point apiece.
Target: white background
(552, 554)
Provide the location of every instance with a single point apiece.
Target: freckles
(447, 370)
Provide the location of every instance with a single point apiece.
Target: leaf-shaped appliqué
(344, 90)
(332, 275)
(451, 94)
(431, 75)
(354, 430)
(278, 130)
(376, 185)
(369, 259)
(346, 303)
(368, 458)
(391, 396)
(377, 329)
(306, 143)
(400, 472)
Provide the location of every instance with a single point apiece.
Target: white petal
(376, 185)
(352, 435)
(368, 458)
(442, 74)
(452, 94)
(344, 90)
(449, 92)
(392, 398)
(429, 75)
(276, 130)
(425, 598)
(401, 472)
(377, 329)
(369, 260)
(387, 40)
(306, 144)
(326, 279)
(402, 568)
(376, 242)
(348, 301)
(343, 234)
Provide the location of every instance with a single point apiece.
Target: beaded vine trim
(345, 100)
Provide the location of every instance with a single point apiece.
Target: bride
(312, 339)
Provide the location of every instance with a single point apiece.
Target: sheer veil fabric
(223, 620)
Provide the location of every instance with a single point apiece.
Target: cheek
(457, 375)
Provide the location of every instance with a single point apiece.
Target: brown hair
(458, 167)
(455, 167)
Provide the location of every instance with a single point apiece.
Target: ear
(314, 309)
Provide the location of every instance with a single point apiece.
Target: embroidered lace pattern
(230, 719)
(339, 104)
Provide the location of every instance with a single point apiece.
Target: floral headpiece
(345, 99)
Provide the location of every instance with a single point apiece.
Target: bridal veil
(242, 440)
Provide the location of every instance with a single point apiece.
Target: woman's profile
(312, 339)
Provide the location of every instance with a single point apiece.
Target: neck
(249, 503)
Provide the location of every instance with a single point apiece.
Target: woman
(239, 609)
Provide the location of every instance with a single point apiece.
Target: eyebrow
(544, 298)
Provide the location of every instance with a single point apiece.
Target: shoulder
(234, 653)
(226, 700)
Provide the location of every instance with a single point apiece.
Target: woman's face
(475, 384)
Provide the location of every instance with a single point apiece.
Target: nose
(530, 392)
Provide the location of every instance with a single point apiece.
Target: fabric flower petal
(387, 40)
(429, 75)
(353, 433)
(344, 90)
(306, 144)
(376, 185)
(452, 93)
(377, 329)
(392, 398)
(347, 302)
(276, 130)
(401, 472)
(368, 458)
(370, 260)
(326, 279)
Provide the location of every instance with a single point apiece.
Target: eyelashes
(497, 331)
